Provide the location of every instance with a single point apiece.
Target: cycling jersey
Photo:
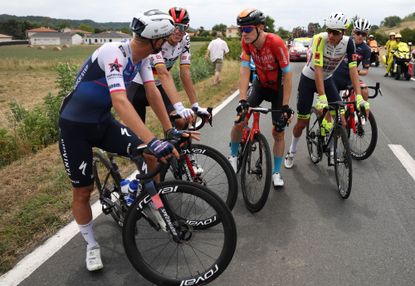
(109, 69)
(270, 61)
(327, 56)
(363, 53)
(168, 56)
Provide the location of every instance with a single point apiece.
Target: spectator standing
(216, 51)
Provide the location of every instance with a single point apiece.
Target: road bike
(204, 165)
(175, 232)
(333, 142)
(254, 160)
(361, 128)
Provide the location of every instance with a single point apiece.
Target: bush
(200, 69)
(235, 49)
(8, 150)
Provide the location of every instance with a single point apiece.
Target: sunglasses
(334, 32)
(182, 27)
(358, 33)
(246, 29)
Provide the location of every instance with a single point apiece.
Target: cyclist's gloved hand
(287, 112)
(321, 102)
(200, 110)
(361, 102)
(160, 148)
(243, 105)
(186, 113)
(174, 134)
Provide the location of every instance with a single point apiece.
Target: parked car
(298, 49)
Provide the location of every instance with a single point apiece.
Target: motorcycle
(374, 56)
(401, 58)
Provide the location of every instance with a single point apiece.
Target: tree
(86, 28)
(283, 33)
(313, 28)
(269, 24)
(299, 32)
(219, 28)
(391, 21)
(408, 35)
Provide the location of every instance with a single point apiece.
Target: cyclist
(86, 120)
(390, 46)
(371, 42)
(273, 84)
(327, 52)
(177, 46)
(341, 76)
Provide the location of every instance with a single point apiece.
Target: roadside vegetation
(34, 192)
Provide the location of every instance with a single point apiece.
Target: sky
(207, 13)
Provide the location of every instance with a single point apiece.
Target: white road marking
(407, 161)
(37, 257)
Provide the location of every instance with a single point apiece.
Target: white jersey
(327, 56)
(168, 56)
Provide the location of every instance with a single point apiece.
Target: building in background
(232, 32)
(105, 37)
(30, 32)
(5, 38)
(55, 39)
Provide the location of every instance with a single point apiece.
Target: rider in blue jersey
(86, 120)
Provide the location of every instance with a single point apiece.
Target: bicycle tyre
(254, 202)
(114, 189)
(218, 174)
(344, 185)
(313, 137)
(356, 140)
(219, 246)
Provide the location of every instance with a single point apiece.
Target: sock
(277, 164)
(88, 234)
(294, 143)
(234, 148)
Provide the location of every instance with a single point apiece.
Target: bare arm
(156, 102)
(287, 81)
(318, 71)
(167, 82)
(244, 74)
(355, 80)
(188, 83)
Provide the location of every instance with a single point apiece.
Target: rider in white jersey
(328, 50)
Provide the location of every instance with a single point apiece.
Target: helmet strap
(257, 35)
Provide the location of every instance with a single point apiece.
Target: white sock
(294, 143)
(88, 234)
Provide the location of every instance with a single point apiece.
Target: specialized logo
(201, 278)
(124, 131)
(115, 66)
(82, 167)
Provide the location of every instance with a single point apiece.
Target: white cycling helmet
(152, 24)
(361, 25)
(337, 21)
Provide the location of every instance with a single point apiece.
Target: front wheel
(313, 137)
(204, 224)
(364, 140)
(342, 162)
(256, 173)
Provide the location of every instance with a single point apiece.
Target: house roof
(5, 36)
(109, 34)
(53, 35)
(41, 29)
(232, 27)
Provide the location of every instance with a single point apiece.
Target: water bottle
(124, 186)
(132, 192)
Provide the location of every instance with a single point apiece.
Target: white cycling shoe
(277, 180)
(234, 163)
(93, 259)
(289, 160)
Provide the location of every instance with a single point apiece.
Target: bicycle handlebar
(259, 109)
(376, 88)
(202, 116)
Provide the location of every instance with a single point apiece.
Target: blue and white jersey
(109, 69)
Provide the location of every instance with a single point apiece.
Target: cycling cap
(250, 17)
(179, 15)
(361, 25)
(398, 35)
(152, 24)
(337, 21)
(371, 36)
(391, 34)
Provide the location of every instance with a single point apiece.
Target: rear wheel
(342, 162)
(313, 137)
(204, 225)
(209, 168)
(363, 142)
(107, 182)
(256, 173)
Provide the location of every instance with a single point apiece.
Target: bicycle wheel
(210, 168)
(201, 255)
(313, 137)
(107, 182)
(342, 162)
(256, 173)
(363, 142)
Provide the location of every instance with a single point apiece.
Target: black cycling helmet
(250, 17)
(179, 15)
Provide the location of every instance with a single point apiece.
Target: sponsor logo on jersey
(115, 66)
(354, 57)
(111, 86)
(123, 51)
(317, 56)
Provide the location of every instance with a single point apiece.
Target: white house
(30, 32)
(105, 37)
(232, 32)
(55, 39)
(5, 38)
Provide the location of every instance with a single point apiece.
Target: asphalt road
(306, 234)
